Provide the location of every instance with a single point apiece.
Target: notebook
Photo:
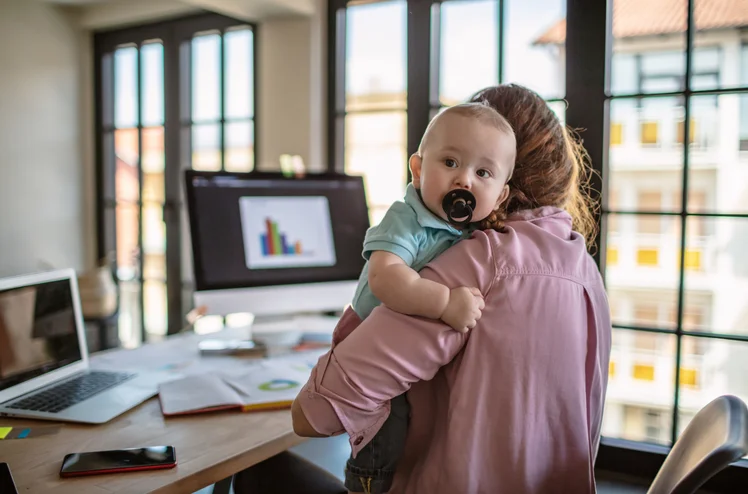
(267, 386)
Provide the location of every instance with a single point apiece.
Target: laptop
(44, 367)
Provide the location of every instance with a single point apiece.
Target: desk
(209, 447)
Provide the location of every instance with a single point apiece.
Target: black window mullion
(435, 54)
(172, 183)
(588, 39)
(419, 73)
(336, 58)
(684, 216)
(141, 203)
(501, 40)
(253, 116)
(221, 95)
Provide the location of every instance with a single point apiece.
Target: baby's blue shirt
(410, 231)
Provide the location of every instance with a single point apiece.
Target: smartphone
(116, 461)
(6, 480)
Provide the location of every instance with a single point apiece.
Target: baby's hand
(463, 309)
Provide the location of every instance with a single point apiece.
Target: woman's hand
(463, 309)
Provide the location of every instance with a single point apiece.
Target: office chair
(716, 437)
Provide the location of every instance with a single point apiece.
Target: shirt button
(358, 441)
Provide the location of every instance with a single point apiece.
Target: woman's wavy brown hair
(552, 167)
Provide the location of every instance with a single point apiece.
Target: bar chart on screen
(287, 232)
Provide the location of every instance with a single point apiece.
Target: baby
(468, 147)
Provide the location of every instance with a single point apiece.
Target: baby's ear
(415, 169)
(503, 197)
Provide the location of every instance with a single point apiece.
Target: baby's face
(463, 152)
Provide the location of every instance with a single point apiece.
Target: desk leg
(224, 486)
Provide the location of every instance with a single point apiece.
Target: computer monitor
(270, 245)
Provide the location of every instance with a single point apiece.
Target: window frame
(588, 45)
(175, 35)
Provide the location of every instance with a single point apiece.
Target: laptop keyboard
(72, 392)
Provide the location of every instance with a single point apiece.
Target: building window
(183, 84)
(653, 423)
(649, 133)
(646, 315)
(643, 372)
(616, 133)
(612, 256)
(649, 201)
(680, 129)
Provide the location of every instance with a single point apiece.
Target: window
(645, 342)
(184, 84)
(687, 245)
(680, 129)
(616, 133)
(646, 315)
(385, 94)
(649, 200)
(650, 133)
(669, 257)
(374, 114)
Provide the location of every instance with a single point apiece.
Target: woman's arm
(351, 386)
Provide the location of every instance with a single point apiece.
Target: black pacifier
(458, 205)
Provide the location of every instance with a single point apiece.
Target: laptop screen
(37, 331)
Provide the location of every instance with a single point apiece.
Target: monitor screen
(37, 331)
(256, 229)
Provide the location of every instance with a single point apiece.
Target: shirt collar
(425, 217)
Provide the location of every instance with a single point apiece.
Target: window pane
(469, 49)
(152, 67)
(375, 148)
(126, 87)
(206, 77)
(648, 47)
(625, 74)
(646, 150)
(128, 233)
(641, 388)
(535, 61)
(718, 171)
(153, 164)
(718, 31)
(642, 269)
(129, 319)
(239, 146)
(239, 73)
(126, 176)
(154, 242)
(154, 307)
(206, 147)
(376, 56)
(710, 368)
(716, 275)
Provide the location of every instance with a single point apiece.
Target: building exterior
(646, 174)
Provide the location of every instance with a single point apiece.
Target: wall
(291, 90)
(42, 190)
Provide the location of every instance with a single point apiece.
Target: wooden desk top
(209, 447)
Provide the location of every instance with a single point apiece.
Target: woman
(515, 405)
